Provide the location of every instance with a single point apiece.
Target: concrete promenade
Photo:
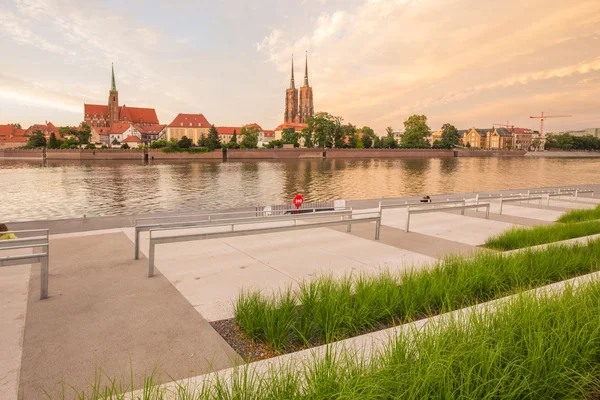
(105, 316)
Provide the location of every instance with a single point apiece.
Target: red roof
(228, 130)
(129, 114)
(7, 130)
(117, 129)
(95, 109)
(20, 132)
(269, 133)
(14, 139)
(140, 115)
(131, 139)
(190, 120)
(523, 131)
(296, 125)
(149, 129)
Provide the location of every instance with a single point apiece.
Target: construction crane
(542, 118)
(506, 125)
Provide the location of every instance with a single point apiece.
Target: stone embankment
(564, 154)
(245, 154)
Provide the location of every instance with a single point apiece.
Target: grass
(193, 150)
(529, 347)
(326, 310)
(580, 215)
(517, 238)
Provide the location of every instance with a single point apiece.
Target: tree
(377, 142)
(53, 142)
(325, 129)
(70, 143)
(347, 133)
(213, 141)
(368, 136)
(415, 132)
(17, 125)
(450, 136)
(290, 136)
(249, 137)
(36, 139)
(84, 133)
(536, 144)
(90, 146)
(359, 143)
(233, 144)
(202, 140)
(115, 142)
(125, 146)
(274, 143)
(159, 144)
(389, 141)
(184, 142)
(308, 138)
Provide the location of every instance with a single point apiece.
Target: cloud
(384, 59)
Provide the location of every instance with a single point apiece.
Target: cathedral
(100, 115)
(298, 108)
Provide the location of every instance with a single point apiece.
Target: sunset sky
(467, 62)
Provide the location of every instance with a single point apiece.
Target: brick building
(99, 115)
(298, 105)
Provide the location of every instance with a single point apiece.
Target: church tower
(291, 100)
(113, 101)
(306, 98)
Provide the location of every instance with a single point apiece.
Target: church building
(98, 115)
(298, 106)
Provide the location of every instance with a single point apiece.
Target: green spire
(292, 86)
(306, 71)
(113, 86)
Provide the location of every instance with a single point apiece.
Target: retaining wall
(388, 153)
(22, 154)
(488, 153)
(274, 154)
(156, 154)
(97, 154)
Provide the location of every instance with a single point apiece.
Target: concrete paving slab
(14, 286)
(526, 211)
(571, 205)
(456, 228)
(211, 273)
(511, 219)
(104, 315)
(434, 247)
(587, 200)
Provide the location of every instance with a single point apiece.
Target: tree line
(568, 142)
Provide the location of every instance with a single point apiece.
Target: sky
(372, 62)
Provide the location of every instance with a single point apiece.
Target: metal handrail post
(501, 204)
(487, 211)
(136, 244)
(407, 218)
(349, 228)
(44, 262)
(151, 258)
(378, 226)
(464, 202)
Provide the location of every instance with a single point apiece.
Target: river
(30, 190)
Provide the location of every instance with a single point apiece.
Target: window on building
(191, 132)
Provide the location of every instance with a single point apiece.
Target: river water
(30, 190)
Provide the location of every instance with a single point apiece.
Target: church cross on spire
(292, 86)
(113, 86)
(306, 71)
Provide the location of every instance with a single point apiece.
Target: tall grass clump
(529, 347)
(580, 215)
(517, 238)
(325, 310)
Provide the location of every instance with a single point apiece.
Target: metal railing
(22, 259)
(214, 220)
(502, 201)
(382, 205)
(444, 209)
(289, 208)
(247, 232)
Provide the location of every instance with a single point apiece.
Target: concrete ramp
(571, 205)
(211, 273)
(446, 225)
(526, 211)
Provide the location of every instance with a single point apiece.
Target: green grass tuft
(328, 310)
(518, 237)
(580, 215)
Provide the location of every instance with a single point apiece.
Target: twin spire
(292, 85)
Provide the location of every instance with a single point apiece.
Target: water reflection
(59, 189)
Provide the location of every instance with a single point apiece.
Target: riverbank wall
(247, 154)
(564, 154)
